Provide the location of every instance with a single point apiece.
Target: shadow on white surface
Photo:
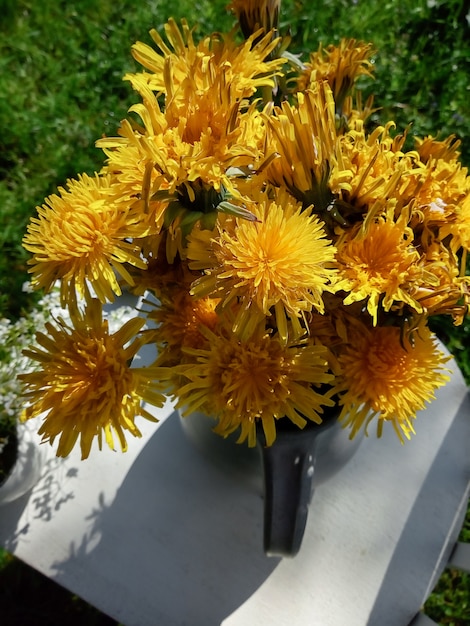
(188, 537)
(52, 491)
(161, 537)
(449, 482)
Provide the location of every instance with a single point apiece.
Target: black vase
(286, 473)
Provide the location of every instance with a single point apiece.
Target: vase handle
(289, 466)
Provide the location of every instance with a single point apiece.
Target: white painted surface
(159, 536)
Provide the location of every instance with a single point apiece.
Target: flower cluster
(18, 343)
(295, 251)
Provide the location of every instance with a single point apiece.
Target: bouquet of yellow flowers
(294, 253)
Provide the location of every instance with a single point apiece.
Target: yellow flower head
(161, 277)
(355, 111)
(340, 65)
(440, 192)
(255, 14)
(179, 322)
(304, 136)
(459, 230)
(379, 265)
(441, 184)
(131, 161)
(184, 172)
(379, 169)
(432, 148)
(84, 235)
(257, 381)
(85, 385)
(388, 374)
(442, 291)
(283, 261)
(216, 59)
(207, 125)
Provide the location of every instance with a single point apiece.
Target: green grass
(61, 88)
(449, 604)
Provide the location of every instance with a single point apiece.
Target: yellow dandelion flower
(257, 381)
(255, 14)
(85, 385)
(184, 173)
(310, 162)
(340, 65)
(388, 375)
(83, 235)
(436, 184)
(445, 292)
(379, 169)
(379, 266)
(161, 277)
(459, 230)
(283, 261)
(129, 160)
(439, 191)
(432, 148)
(179, 321)
(355, 111)
(245, 67)
(331, 328)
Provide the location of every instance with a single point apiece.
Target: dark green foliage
(29, 599)
(449, 604)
